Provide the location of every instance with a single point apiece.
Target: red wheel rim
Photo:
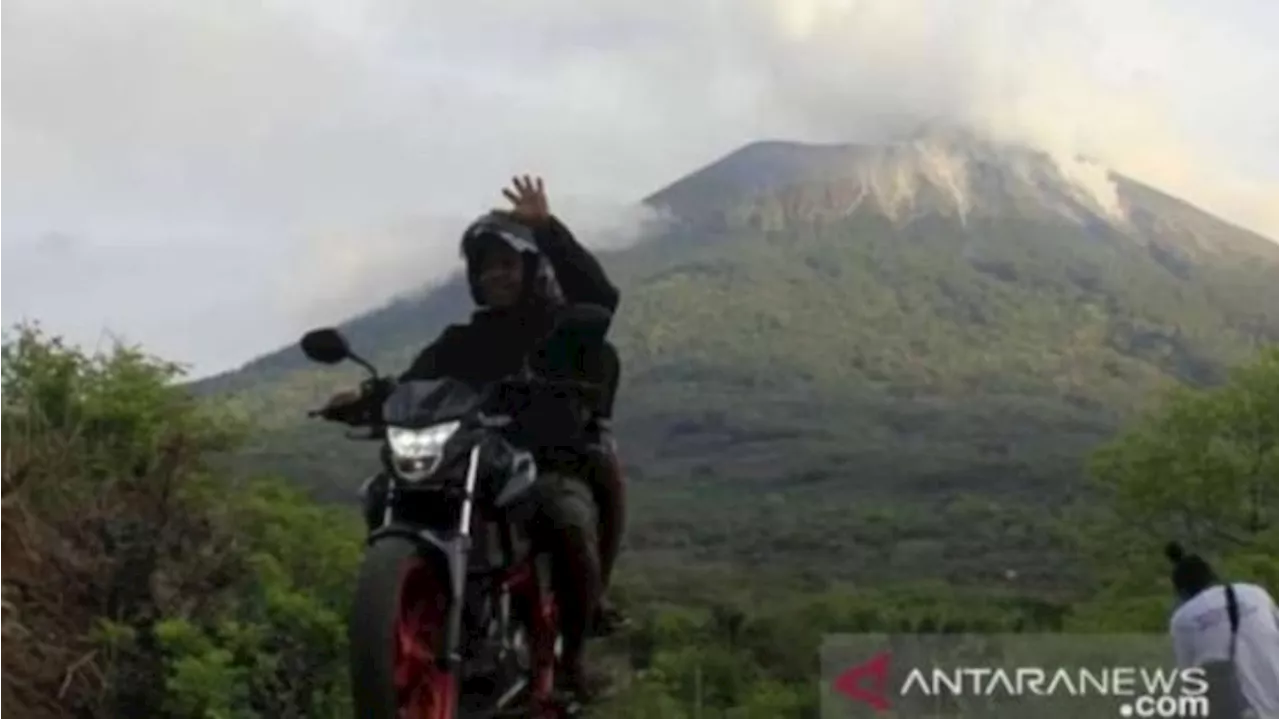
(423, 690)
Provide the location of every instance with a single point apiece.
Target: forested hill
(836, 352)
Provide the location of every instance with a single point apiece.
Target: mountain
(947, 173)
(838, 354)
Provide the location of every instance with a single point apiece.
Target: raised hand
(528, 199)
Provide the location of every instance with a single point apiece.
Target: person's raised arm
(580, 274)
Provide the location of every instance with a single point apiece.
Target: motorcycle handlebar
(334, 413)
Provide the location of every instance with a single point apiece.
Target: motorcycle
(454, 614)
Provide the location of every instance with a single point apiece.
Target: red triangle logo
(867, 682)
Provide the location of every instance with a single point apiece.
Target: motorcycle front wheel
(396, 632)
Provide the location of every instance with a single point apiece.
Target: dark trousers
(603, 473)
(566, 525)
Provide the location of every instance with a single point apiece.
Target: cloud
(343, 273)
(92, 289)
(1176, 94)
(308, 138)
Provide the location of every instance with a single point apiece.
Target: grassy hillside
(838, 387)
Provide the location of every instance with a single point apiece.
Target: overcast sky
(210, 178)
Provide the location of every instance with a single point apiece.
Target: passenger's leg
(572, 517)
(610, 492)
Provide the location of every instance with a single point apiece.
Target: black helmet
(539, 284)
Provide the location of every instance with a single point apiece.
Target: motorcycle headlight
(416, 452)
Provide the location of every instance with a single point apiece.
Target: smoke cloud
(288, 159)
(346, 272)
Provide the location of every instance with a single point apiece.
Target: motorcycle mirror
(326, 346)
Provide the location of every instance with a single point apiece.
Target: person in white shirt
(1230, 629)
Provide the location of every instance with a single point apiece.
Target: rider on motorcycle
(522, 266)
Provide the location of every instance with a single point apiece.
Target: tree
(1205, 466)
(1200, 468)
(139, 581)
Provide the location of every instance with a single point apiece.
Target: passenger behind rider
(522, 266)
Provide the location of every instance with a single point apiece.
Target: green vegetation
(139, 583)
(142, 578)
(1201, 468)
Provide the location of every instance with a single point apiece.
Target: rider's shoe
(583, 686)
(608, 620)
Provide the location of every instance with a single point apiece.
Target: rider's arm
(581, 277)
(356, 407)
(437, 359)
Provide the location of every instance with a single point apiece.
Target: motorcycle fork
(457, 554)
(456, 551)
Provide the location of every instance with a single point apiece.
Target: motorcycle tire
(395, 632)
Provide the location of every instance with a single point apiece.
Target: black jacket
(494, 343)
